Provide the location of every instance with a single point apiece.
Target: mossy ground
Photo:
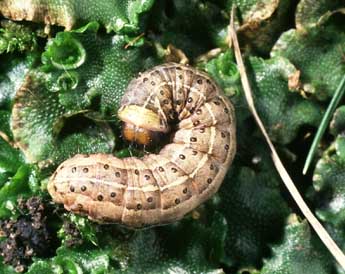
(60, 87)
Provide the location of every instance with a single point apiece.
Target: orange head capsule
(141, 125)
(138, 135)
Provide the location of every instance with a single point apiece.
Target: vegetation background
(64, 66)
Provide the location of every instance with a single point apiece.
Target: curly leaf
(87, 66)
(282, 111)
(224, 71)
(337, 125)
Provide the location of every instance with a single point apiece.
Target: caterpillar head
(141, 125)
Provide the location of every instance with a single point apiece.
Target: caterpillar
(157, 188)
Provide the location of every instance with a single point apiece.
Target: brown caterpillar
(158, 188)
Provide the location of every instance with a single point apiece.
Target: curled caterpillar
(158, 188)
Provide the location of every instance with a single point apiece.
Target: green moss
(88, 67)
(253, 206)
(306, 50)
(16, 37)
(82, 71)
(310, 13)
(300, 252)
(23, 184)
(119, 16)
(60, 91)
(283, 110)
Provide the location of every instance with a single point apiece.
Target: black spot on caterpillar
(158, 188)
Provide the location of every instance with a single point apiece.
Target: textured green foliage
(86, 65)
(8, 270)
(322, 44)
(283, 111)
(196, 26)
(224, 71)
(15, 37)
(253, 206)
(329, 178)
(23, 184)
(16, 178)
(329, 188)
(261, 22)
(67, 103)
(120, 16)
(186, 253)
(37, 122)
(74, 261)
(338, 95)
(80, 68)
(12, 72)
(5, 123)
(147, 251)
(84, 226)
(337, 125)
(188, 25)
(300, 252)
(312, 12)
(10, 158)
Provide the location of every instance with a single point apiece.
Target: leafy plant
(64, 66)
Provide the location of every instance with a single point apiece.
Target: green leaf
(329, 186)
(7, 269)
(282, 110)
(87, 66)
(177, 248)
(74, 262)
(310, 13)
(119, 16)
(5, 117)
(44, 129)
(306, 50)
(300, 252)
(260, 23)
(337, 125)
(168, 249)
(12, 73)
(224, 71)
(82, 70)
